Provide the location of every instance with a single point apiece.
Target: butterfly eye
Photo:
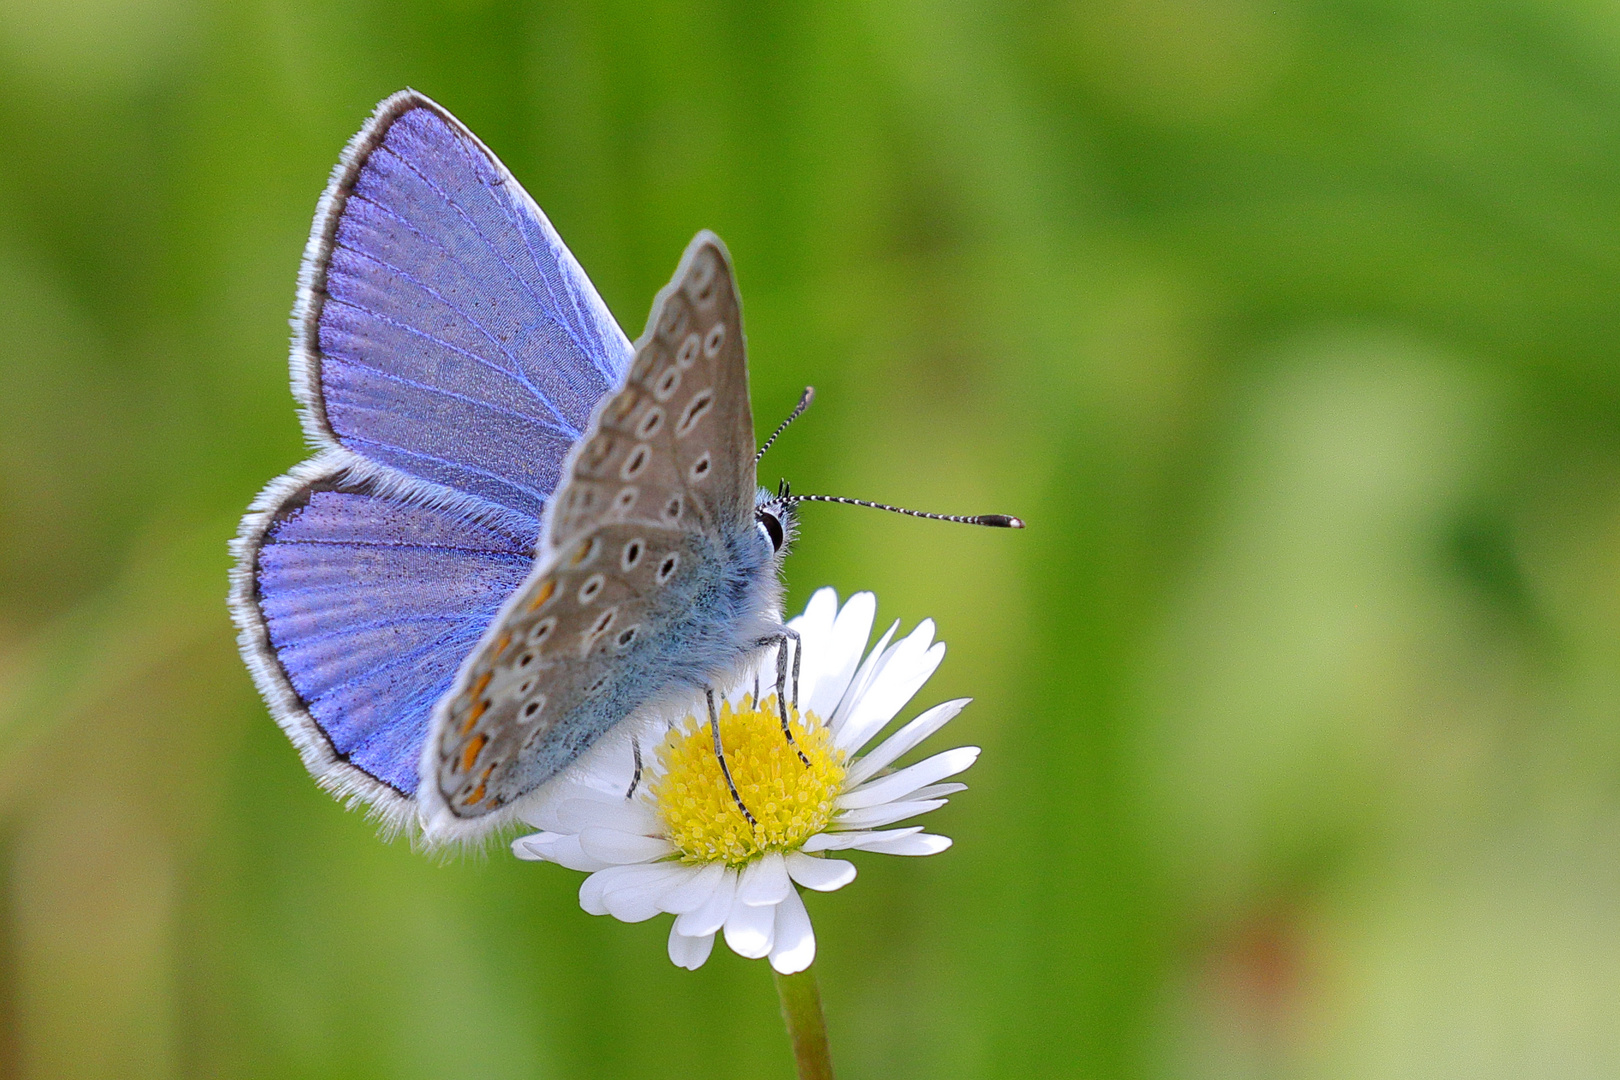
(772, 528)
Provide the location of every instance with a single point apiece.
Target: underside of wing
(442, 328)
(649, 574)
(562, 665)
(675, 444)
(355, 608)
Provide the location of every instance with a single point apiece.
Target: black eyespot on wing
(635, 462)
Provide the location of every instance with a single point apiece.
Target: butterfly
(517, 528)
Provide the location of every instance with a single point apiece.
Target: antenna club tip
(999, 521)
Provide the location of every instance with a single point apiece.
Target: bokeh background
(1293, 329)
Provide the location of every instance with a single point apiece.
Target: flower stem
(801, 1011)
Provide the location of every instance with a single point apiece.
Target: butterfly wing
(447, 351)
(615, 608)
(355, 608)
(442, 328)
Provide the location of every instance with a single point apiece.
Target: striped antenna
(805, 399)
(997, 521)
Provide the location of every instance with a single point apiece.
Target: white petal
(689, 952)
(751, 931)
(839, 841)
(913, 733)
(542, 814)
(901, 784)
(819, 613)
(937, 791)
(611, 845)
(633, 893)
(840, 655)
(594, 889)
(626, 815)
(764, 881)
(590, 892)
(921, 844)
(696, 890)
(815, 628)
(895, 686)
(560, 848)
(714, 912)
(872, 816)
(822, 875)
(795, 944)
(521, 848)
(862, 678)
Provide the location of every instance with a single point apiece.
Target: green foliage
(1290, 329)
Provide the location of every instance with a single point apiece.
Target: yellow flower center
(790, 801)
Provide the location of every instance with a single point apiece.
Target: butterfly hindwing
(355, 609)
(562, 647)
(658, 483)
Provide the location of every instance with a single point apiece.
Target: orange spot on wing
(469, 753)
(473, 714)
(501, 643)
(477, 795)
(544, 593)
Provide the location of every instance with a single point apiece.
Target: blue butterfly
(517, 528)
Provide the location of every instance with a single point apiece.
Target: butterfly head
(775, 519)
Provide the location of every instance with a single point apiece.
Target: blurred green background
(1291, 328)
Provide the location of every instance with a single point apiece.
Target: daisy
(659, 829)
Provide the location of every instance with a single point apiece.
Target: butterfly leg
(780, 640)
(720, 756)
(635, 781)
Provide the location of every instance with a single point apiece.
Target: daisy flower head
(723, 841)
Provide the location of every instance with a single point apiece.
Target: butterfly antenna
(805, 399)
(997, 521)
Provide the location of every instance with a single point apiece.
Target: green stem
(801, 1011)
